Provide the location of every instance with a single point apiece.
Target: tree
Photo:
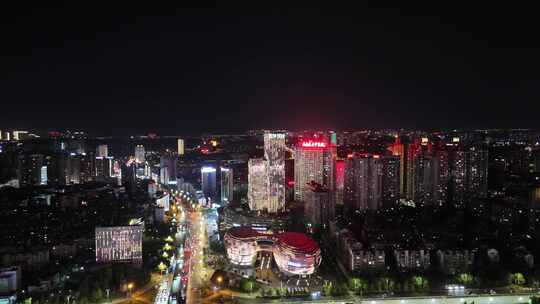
(386, 284)
(465, 278)
(535, 300)
(97, 295)
(358, 285)
(327, 288)
(420, 283)
(516, 278)
(247, 285)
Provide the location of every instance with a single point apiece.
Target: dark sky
(175, 70)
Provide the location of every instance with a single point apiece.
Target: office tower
(314, 160)
(441, 177)
(102, 151)
(274, 154)
(257, 184)
(103, 167)
(140, 154)
(390, 180)
(227, 184)
(208, 181)
(169, 161)
(319, 206)
(30, 170)
(180, 147)
(363, 188)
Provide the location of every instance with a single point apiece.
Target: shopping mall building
(294, 253)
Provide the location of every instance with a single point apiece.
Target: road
(199, 273)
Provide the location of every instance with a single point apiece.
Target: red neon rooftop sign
(313, 144)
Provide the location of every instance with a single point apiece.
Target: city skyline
(407, 66)
(226, 153)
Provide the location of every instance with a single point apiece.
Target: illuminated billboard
(119, 243)
(313, 144)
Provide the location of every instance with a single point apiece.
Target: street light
(130, 287)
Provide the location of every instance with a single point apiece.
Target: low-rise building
(455, 261)
(412, 259)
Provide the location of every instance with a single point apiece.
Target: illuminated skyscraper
(390, 180)
(257, 184)
(140, 154)
(102, 151)
(104, 167)
(320, 206)
(314, 161)
(29, 169)
(169, 162)
(422, 179)
(340, 180)
(469, 175)
(363, 188)
(441, 177)
(208, 181)
(180, 147)
(274, 154)
(227, 184)
(20, 135)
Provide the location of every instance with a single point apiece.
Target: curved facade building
(295, 253)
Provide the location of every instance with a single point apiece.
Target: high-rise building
(208, 181)
(340, 180)
(102, 151)
(169, 161)
(140, 154)
(407, 152)
(257, 184)
(180, 147)
(363, 188)
(30, 170)
(227, 184)
(441, 177)
(320, 206)
(536, 157)
(104, 167)
(478, 172)
(20, 135)
(314, 161)
(422, 179)
(469, 175)
(274, 154)
(164, 175)
(390, 180)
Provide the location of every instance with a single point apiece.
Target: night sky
(130, 68)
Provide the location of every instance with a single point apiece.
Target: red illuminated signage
(313, 144)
